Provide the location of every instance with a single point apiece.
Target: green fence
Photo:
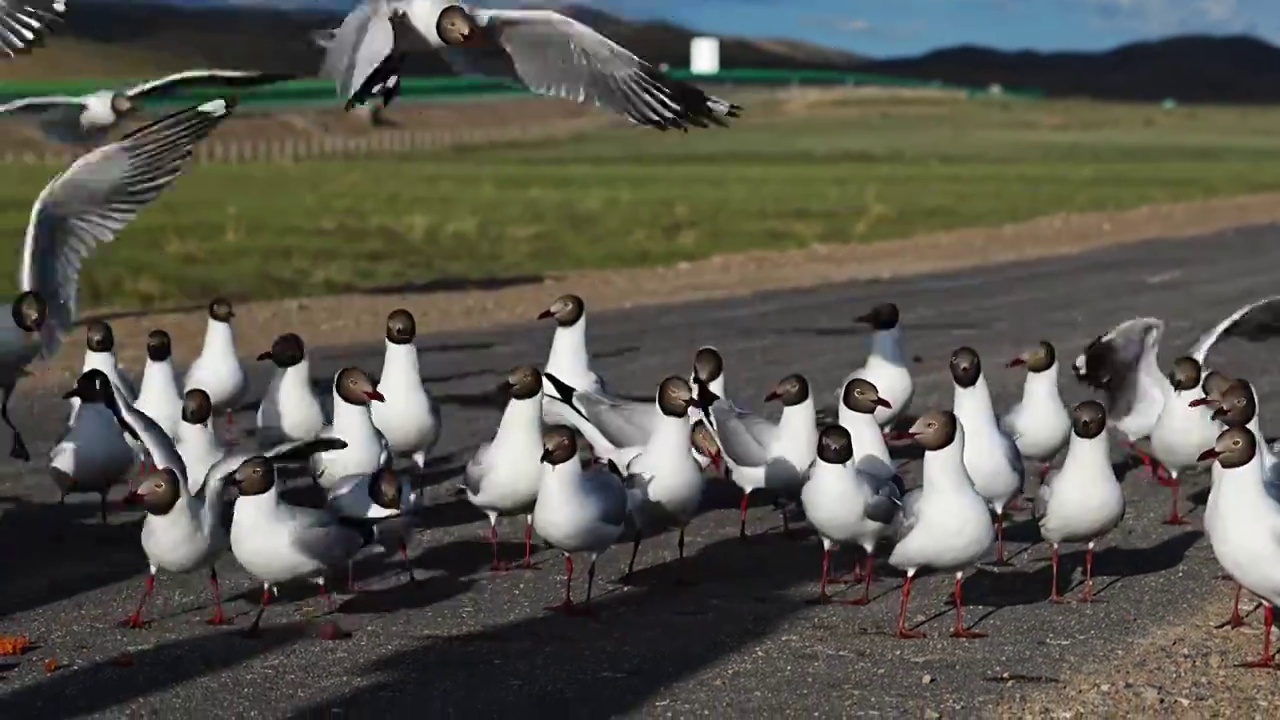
(315, 92)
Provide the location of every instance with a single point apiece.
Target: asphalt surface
(466, 642)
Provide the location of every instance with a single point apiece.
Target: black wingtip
(564, 391)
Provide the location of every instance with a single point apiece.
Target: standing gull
(568, 359)
(548, 53)
(158, 396)
(278, 542)
(1181, 431)
(886, 364)
(365, 450)
(92, 455)
(183, 531)
(408, 419)
(1039, 424)
(82, 207)
(991, 458)
(217, 370)
(948, 526)
(764, 455)
(502, 478)
(577, 510)
(195, 440)
(1244, 539)
(100, 354)
(847, 505)
(1083, 500)
(289, 409)
(88, 119)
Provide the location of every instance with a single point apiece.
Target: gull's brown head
(456, 26)
(559, 445)
(567, 310)
(835, 446)
(862, 396)
(197, 408)
(1038, 360)
(1235, 447)
(1088, 419)
(791, 390)
(30, 311)
(99, 337)
(220, 309)
(401, 327)
(881, 317)
(675, 397)
(159, 347)
(356, 387)
(160, 491)
(522, 383)
(1238, 406)
(1185, 374)
(934, 430)
(966, 367)
(255, 476)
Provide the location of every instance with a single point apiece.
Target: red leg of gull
(823, 598)
(134, 621)
(959, 631)
(1266, 660)
(497, 565)
(528, 563)
(1087, 595)
(902, 630)
(566, 605)
(867, 564)
(742, 516)
(1054, 597)
(1171, 481)
(999, 523)
(218, 618)
(1236, 620)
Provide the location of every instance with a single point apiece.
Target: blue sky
(901, 27)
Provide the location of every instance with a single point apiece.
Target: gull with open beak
(366, 450)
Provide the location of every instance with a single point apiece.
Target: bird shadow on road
(451, 284)
(120, 679)
(51, 552)
(610, 663)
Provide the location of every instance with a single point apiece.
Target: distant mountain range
(109, 38)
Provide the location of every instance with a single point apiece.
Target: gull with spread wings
(85, 206)
(24, 24)
(548, 53)
(87, 119)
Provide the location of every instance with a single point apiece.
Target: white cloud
(1169, 16)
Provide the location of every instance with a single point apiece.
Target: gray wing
(24, 24)
(360, 55)
(323, 537)
(737, 442)
(610, 496)
(1257, 321)
(208, 78)
(623, 423)
(300, 450)
(555, 55)
(152, 437)
(94, 199)
(910, 504)
(887, 500)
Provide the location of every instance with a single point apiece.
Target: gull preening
(24, 24)
(84, 206)
(546, 52)
(89, 119)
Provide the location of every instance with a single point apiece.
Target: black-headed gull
(886, 363)
(217, 369)
(1039, 424)
(1244, 539)
(195, 439)
(92, 455)
(503, 476)
(846, 505)
(88, 119)
(990, 455)
(383, 498)
(568, 359)
(366, 450)
(858, 405)
(278, 542)
(158, 394)
(24, 24)
(946, 524)
(289, 409)
(1182, 430)
(182, 531)
(408, 419)
(100, 354)
(577, 510)
(546, 52)
(761, 454)
(84, 206)
(1083, 500)
(664, 479)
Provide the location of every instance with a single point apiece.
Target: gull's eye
(933, 426)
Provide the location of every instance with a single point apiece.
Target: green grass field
(854, 171)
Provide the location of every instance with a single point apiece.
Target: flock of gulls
(586, 469)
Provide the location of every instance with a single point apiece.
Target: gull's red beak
(902, 435)
(1218, 413)
(717, 461)
(1017, 362)
(773, 395)
(1200, 402)
(375, 395)
(132, 498)
(1210, 454)
(881, 402)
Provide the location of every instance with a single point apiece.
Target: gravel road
(465, 642)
